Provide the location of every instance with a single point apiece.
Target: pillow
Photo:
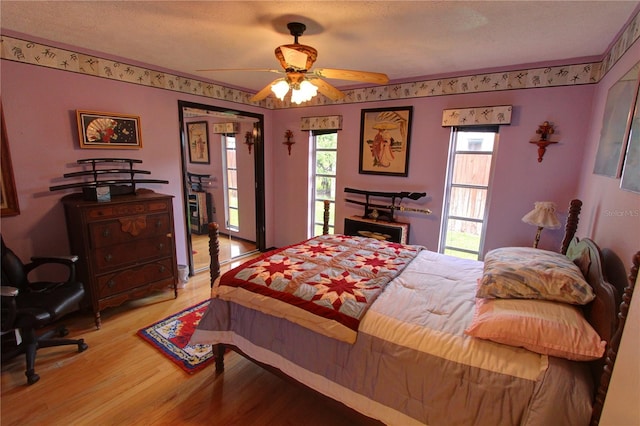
(579, 255)
(531, 273)
(544, 327)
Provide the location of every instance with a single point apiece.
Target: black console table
(396, 232)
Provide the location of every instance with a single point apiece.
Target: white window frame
(225, 166)
(449, 185)
(313, 220)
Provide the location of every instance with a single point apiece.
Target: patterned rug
(171, 336)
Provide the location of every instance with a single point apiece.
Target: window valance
(459, 117)
(327, 122)
(225, 128)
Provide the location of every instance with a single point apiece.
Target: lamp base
(537, 240)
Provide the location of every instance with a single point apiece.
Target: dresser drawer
(129, 228)
(118, 282)
(134, 252)
(116, 210)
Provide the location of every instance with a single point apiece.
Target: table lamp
(543, 215)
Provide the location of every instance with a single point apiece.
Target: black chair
(29, 306)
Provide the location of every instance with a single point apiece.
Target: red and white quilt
(326, 283)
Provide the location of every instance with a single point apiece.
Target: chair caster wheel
(32, 378)
(82, 346)
(62, 331)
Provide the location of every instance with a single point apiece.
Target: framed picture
(616, 123)
(8, 194)
(198, 139)
(385, 135)
(631, 170)
(105, 130)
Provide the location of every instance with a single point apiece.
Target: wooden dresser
(126, 246)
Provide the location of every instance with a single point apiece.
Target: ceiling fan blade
(242, 69)
(327, 89)
(266, 91)
(353, 75)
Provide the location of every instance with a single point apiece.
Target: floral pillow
(548, 328)
(531, 273)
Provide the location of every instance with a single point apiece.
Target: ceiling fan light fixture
(304, 92)
(280, 89)
(296, 61)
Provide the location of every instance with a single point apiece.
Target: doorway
(223, 175)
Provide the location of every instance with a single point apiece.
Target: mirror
(223, 175)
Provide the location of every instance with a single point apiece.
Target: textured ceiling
(405, 40)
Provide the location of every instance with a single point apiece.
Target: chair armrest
(65, 260)
(9, 307)
(8, 291)
(68, 261)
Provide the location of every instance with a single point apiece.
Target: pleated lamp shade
(543, 215)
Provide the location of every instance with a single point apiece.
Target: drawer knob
(111, 283)
(158, 223)
(160, 246)
(163, 268)
(106, 232)
(108, 258)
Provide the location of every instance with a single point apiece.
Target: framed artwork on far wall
(385, 135)
(107, 130)
(198, 140)
(616, 123)
(631, 169)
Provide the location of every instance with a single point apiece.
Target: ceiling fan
(296, 60)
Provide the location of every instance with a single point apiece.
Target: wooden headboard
(604, 366)
(608, 311)
(602, 312)
(571, 226)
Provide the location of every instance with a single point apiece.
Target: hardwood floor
(123, 380)
(229, 248)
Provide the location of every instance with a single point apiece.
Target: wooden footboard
(214, 251)
(214, 268)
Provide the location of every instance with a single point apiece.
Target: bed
(410, 349)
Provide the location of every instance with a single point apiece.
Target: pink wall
(519, 179)
(610, 215)
(40, 104)
(39, 108)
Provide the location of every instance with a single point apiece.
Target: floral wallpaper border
(327, 122)
(479, 115)
(18, 50)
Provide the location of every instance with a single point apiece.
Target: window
(324, 154)
(230, 181)
(467, 191)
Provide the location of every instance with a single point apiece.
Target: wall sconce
(289, 135)
(545, 130)
(252, 137)
(543, 216)
(249, 140)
